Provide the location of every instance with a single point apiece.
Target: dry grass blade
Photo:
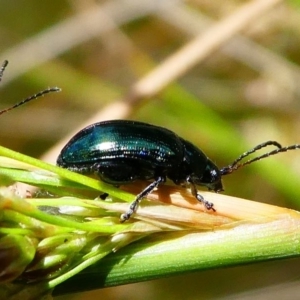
(200, 48)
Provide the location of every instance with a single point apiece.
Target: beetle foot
(126, 216)
(208, 205)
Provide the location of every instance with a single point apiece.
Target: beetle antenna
(2, 69)
(35, 96)
(235, 165)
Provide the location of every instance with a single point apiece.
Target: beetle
(122, 151)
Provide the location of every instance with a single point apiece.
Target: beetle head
(211, 178)
(200, 169)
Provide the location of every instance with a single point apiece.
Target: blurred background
(222, 74)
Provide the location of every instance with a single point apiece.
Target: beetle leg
(208, 205)
(103, 196)
(134, 205)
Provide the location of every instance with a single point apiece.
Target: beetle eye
(211, 178)
(214, 175)
(211, 174)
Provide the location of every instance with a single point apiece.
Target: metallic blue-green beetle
(121, 151)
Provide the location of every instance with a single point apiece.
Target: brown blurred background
(220, 74)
